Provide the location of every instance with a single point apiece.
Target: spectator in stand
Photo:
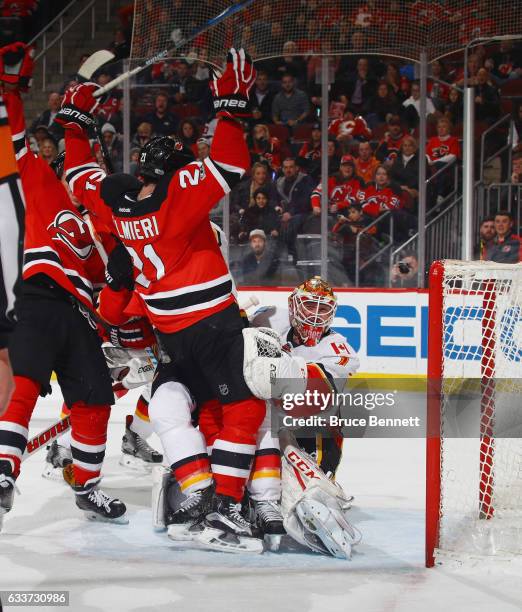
(287, 63)
(362, 86)
(389, 147)
(261, 98)
(120, 45)
(290, 105)
(242, 196)
(507, 63)
(366, 162)
(405, 272)
(48, 150)
(261, 215)
(163, 122)
(188, 134)
(393, 79)
(474, 65)
(134, 158)
(114, 145)
(294, 190)
(264, 147)
(260, 265)
(348, 226)
(453, 109)
(405, 168)
(486, 236)
(143, 135)
(185, 86)
(505, 246)
(334, 159)
(381, 106)
(438, 89)
(40, 133)
(516, 127)
(382, 194)
(443, 148)
(309, 157)
(516, 169)
(54, 103)
(110, 112)
(350, 128)
(203, 148)
(487, 100)
(344, 188)
(411, 107)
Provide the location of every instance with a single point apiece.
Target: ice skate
(7, 489)
(137, 454)
(268, 521)
(95, 503)
(225, 529)
(186, 522)
(57, 458)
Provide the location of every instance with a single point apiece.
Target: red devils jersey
(342, 194)
(438, 149)
(181, 276)
(57, 239)
(377, 201)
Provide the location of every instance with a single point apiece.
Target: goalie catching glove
(17, 65)
(78, 107)
(231, 88)
(269, 371)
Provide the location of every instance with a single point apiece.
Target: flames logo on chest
(71, 229)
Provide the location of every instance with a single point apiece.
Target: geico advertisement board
(387, 328)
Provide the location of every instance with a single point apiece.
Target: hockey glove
(78, 107)
(120, 271)
(230, 89)
(17, 65)
(135, 334)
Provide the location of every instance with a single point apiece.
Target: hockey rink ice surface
(47, 545)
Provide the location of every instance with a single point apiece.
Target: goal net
(474, 442)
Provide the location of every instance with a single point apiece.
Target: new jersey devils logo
(71, 229)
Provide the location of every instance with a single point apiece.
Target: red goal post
(474, 482)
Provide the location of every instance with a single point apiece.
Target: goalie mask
(312, 308)
(162, 155)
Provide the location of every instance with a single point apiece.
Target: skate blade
(96, 518)
(136, 464)
(3, 512)
(53, 473)
(216, 539)
(181, 533)
(272, 542)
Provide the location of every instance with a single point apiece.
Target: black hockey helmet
(162, 155)
(58, 164)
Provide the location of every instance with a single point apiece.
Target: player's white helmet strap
(312, 308)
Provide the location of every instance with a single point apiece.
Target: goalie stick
(231, 10)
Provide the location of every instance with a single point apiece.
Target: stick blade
(93, 62)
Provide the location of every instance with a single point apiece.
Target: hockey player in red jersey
(181, 277)
(55, 329)
(344, 188)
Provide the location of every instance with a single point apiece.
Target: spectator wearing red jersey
(350, 127)
(443, 148)
(389, 147)
(344, 188)
(366, 162)
(382, 195)
(264, 147)
(309, 157)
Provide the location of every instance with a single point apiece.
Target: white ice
(46, 544)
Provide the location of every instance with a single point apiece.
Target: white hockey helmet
(312, 307)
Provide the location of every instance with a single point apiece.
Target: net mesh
(481, 440)
(308, 27)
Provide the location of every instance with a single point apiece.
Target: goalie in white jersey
(313, 505)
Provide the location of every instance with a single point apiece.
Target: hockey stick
(48, 435)
(231, 10)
